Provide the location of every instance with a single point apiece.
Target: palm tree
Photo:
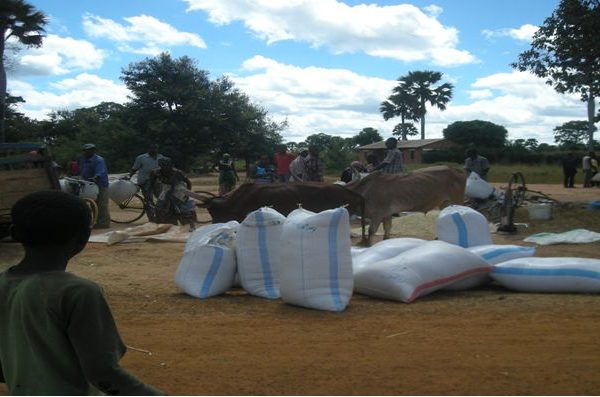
(422, 85)
(402, 104)
(25, 24)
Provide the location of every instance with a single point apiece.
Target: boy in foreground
(57, 334)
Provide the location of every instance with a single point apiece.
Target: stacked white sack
(463, 226)
(549, 275)
(384, 249)
(478, 188)
(316, 265)
(419, 271)
(120, 190)
(258, 245)
(355, 251)
(207, 267)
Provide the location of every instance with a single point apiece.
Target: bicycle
(85, 190)
(132, 205)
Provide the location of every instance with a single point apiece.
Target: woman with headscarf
(227, 174)
(173, 204)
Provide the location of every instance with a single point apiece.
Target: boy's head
(51, 218)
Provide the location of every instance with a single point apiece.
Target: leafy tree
(366, 136)
(422, 86)
(19, 128)
(476, 133)
(21, 22)
(401, 103)
(320, 141)
(566, 52)
(571, 133)
(404, 130)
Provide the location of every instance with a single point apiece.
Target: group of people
(162, 185)
(589, 165)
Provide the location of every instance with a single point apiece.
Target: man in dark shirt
(569, 165)
(57, 334)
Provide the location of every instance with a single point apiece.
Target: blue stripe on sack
(463, 235)
(501, 251)
(547, 272)
(333, 259)
(264, 255)
(212, 272)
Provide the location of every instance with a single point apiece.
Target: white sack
(463, 226)
(418, 272)
(577, 236)
(120, 190)
(258, 244)
(384, 249)
(355, 251)
(549, 274)
(478, 188)
(316, 265)
(494, 253)
(208, 265)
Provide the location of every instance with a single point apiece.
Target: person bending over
(57, 334)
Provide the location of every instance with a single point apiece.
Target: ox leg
(373, 226)
(387, 227)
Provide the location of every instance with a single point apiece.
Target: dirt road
(488, 341)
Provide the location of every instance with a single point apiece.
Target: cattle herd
(376, 197)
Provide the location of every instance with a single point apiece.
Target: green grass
(502, 173)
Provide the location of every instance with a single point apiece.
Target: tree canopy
(24, 24)
(476, 133)
(566, 52)
(571, 134)
(366, 136)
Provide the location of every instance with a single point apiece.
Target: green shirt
(58, 337)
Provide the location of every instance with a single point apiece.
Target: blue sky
(324, 65)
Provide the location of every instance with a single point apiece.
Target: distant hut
(412, 150)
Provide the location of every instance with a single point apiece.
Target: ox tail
(365, 239)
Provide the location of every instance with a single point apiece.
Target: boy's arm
(94, 336)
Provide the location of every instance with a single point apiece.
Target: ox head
(215, 205)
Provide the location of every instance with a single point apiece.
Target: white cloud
(523, 33)
(341, 102)
(84, 90)
(58, 55)
(402, 32)
(143, 34)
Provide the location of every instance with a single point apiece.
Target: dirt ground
(481, 342)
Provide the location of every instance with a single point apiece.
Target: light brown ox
(417, 191)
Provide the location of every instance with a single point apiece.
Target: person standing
(477, 164)
(297, 167)
(262, 171)
(569, 165)
(282, 160)
(392, 163)
(93, 168)
(313, 166)
(144, 164)
(588, 173)
(228, 177)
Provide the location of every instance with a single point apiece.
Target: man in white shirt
(143, 165)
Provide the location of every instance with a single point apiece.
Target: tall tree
(566, 52)
(366, 136)
(425, 87)
(476, 133)
(403, 104)
(571, 133)
(21, 22)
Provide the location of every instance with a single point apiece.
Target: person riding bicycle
(173, 204)
(93, 168)
(144, 164)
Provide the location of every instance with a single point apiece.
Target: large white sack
(120, 190)
(549, 274)
(258, 244)
(495, 253)
(463, 226)
(384, 249)
(478, 188)
(576, 236)
(208, 265)
(418, 272)
(316, 265)
(355, 251)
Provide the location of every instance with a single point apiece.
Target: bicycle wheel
(129, 210)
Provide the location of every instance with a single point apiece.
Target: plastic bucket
(540, 211)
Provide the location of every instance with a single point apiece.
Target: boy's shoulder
(55, 281)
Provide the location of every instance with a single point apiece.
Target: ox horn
(200, 195)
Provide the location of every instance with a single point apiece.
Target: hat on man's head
(89, 146)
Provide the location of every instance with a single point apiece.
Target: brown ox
(282, 197)
(418, 191)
